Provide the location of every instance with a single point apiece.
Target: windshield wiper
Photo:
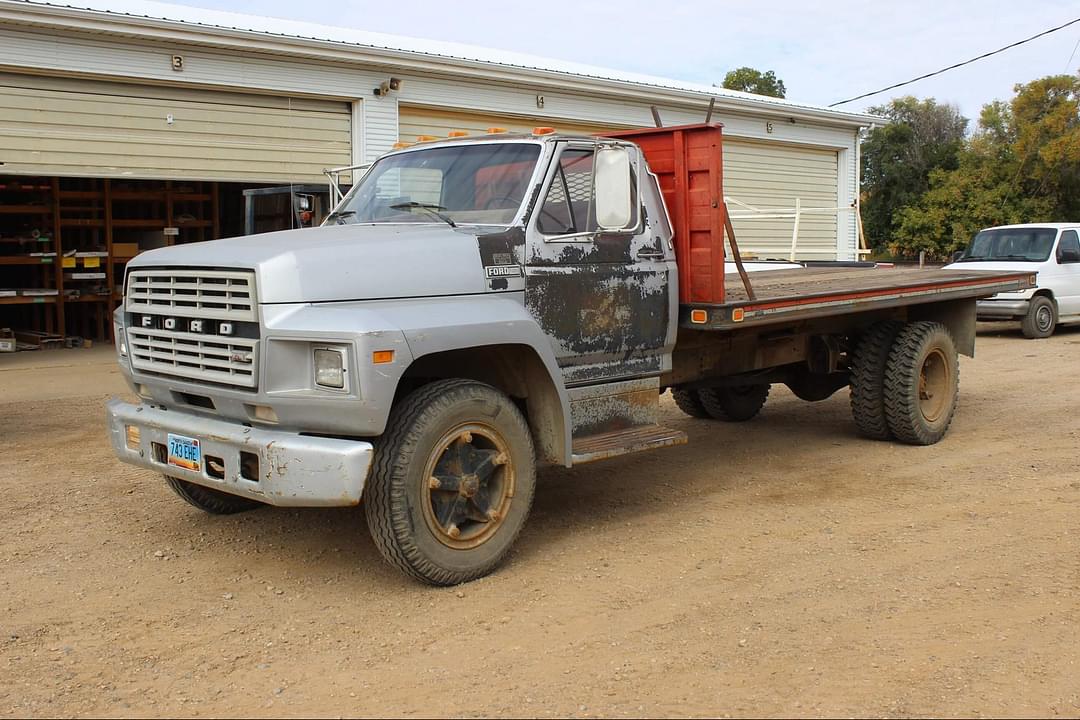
(429, 207)
(340, 214)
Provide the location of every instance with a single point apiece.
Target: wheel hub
(933, 385)
(470, 486)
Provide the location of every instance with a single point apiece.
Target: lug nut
(466, 437)
(501, 459)
(433, 483)
(493, 515)
(453, 531)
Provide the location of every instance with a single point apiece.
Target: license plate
(185, 452)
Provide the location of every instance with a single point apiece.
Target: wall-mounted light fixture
(387, 86)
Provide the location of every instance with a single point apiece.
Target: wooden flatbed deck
(782, 295)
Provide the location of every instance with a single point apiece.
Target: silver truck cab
(269, 366)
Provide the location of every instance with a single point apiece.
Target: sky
(824, 51)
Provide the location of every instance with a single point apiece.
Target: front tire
(1041, 318)
(737, 403)
(922, 382)
(452, 482)
(209, 500)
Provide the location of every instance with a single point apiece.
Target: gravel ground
(780, 567)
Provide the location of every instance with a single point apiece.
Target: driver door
(602, 298)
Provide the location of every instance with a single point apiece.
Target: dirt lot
(781, 567)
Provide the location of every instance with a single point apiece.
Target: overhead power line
(959, 64)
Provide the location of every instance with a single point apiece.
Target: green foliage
(1021, 166)
(898, 158)
(754, 81)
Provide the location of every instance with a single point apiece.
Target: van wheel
(452, 482)
(922, 383)
(737, 403)
(689, 402)
(1041, 318)
(209, 500)
(867, 367)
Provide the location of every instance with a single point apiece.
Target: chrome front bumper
(1000, 309)
(294, 470)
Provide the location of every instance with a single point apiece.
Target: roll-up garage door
(415, 121)
(770, 176)
(57, 126)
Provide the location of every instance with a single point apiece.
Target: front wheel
(1041, 318)
(452, 482)
(209, 500)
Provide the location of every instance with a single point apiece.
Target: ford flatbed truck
(476, 307)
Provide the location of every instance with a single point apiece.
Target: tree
(898, 158)
(1021, 166)
(749, 80)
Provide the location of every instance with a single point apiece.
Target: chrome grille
(205, 358)
(210, 294)
(214, 299)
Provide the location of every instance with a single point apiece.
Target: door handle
(647, 254)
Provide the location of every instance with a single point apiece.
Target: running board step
(601, 446)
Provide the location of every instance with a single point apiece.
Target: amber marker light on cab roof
(699, 316)
(400, 145)
(458, 133)
(543, 130)
(495, 130)
(381, 357)
(426, 138)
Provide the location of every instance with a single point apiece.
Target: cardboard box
(7, 340)
(122, 249)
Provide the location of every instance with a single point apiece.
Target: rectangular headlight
(330, 368)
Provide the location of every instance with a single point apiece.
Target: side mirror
(1068, 255)
(614, 191)
(957, 255)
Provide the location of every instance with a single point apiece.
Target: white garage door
(56, 126)
(771, 176)
(415, 121)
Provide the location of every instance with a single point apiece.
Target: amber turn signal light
(699, 317)
(381, 357)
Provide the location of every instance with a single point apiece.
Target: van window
(1069, 241)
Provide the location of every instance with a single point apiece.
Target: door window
(568, 208)
(1069, 246)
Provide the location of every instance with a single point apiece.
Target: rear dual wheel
(904, 382)
(736, 403)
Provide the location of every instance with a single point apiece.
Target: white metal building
(137, 89)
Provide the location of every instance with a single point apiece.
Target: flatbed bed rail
(783, 295)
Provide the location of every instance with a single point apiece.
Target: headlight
(330, 368)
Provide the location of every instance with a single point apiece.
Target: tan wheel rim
(934, 385)
(468, 486)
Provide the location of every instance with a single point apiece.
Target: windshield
(1023, 244)
(481, 184)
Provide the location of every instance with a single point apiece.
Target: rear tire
(737, 403)
(1041, 318)
(209, 500)
(689, 402)
(922, 381)
(867, 365)
(452, 482)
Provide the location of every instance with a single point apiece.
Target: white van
(1050, 249)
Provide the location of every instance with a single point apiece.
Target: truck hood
(341, 262)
